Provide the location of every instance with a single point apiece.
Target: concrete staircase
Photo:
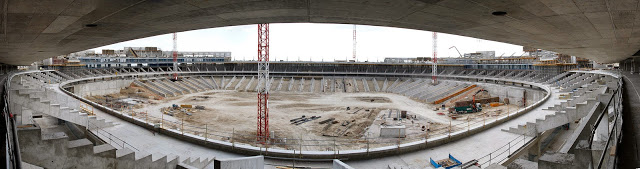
(52, 149)
(29, 100)
(566, 112)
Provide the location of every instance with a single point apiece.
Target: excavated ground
(229, 112)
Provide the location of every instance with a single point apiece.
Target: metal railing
(615, 105)
(298, 144)
(498, 155)
(12, 152)
(112, 139)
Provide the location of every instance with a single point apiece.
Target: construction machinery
(470, 107)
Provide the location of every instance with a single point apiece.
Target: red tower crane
(262, 134)
(175, 56)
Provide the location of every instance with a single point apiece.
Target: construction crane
(434, 72)
(175, 56)
(456, 50)
(354, 43)
(262, 134)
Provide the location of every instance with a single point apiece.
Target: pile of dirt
(350, 124)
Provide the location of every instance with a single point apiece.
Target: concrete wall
(240, 163)
(514, 93)
(393, 131)
(101, 87)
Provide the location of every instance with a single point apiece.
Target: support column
(534, 152)
(602, 132)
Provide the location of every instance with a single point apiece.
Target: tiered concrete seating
(388, 89)
(490, 73)
(445, 92)
(462, 73)
(161, 88)
(365, 85)
(510, 74)
(173, 89)
(418, 89)
(175, 85)
(64, 75)
(473, 72)
(233, 79)
(400, 84)
(201, 81)
(436, 90)
(198, 86)
(153, 89)
(452, 72)
(442, 72)
(418, 83)
(481, 73)
(566, 112)
(55, 76)
(279, 87)
(239, 83)
(407, 86)
(214, 83)
(187, 86)
(501, 73)
(385, 85)
(246, 88)
(85, 154)
(293, 81)
(557, 77)
(375, 85)
(565, 79)
(313, 83)
(301, 85)
(579, 82)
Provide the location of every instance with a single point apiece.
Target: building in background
(134, 57)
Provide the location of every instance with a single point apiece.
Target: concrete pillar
(583, 155)
(534, 151)
(602, 132)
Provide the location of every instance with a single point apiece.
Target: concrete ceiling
(601, 30)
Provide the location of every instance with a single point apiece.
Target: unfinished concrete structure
(588, 93)
(599, 30)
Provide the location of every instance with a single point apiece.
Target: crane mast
(175, 56)
(354, 43)
(434, 72)
(262, 134)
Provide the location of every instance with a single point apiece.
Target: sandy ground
(232, 111)
(230, 115)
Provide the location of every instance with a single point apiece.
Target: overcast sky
(328, 42)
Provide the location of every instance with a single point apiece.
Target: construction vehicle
(446, 163)
(471, 108)
(466, 109)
